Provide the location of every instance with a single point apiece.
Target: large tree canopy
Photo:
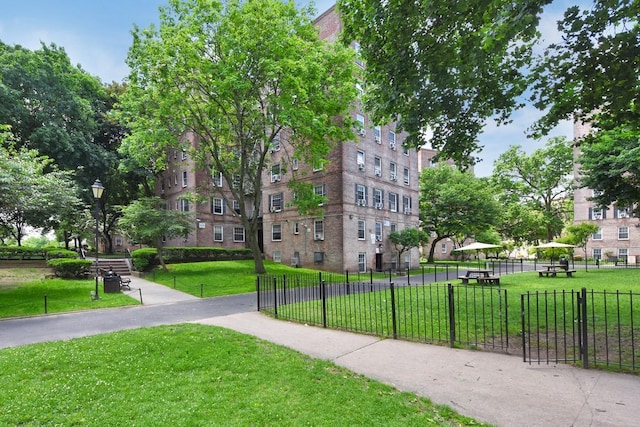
(443, 67)
(594, 69)
(239, 75)
(455, 203)
(542, 182)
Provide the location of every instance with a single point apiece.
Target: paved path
(494, 388)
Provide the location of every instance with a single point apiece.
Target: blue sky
(96, 35)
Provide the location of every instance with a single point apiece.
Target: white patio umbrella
(554, 245)
(477, 246)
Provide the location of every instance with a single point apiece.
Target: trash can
(111, 284)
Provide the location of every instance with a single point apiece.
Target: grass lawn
(24, 295)
(195, 375)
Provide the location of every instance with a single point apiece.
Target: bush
(70, 268)
(61, 253)
(577, 258)
(21, 252)
(144, 259)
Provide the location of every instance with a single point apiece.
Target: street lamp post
(97, 190)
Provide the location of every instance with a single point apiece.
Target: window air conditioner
(275, 177)
(377, 138)
(378, 172)
(379, 205)
(319, 237)
(362, 202)
(361, 166)
(392, 145)
(393, 177)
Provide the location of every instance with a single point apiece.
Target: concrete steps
(119, 266)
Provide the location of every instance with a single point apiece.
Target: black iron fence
(593, 328)
(590, 328)
(456, 315)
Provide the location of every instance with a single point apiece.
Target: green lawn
(55, 296)
(195, 375)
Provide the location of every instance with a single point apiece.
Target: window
(360, 160)
(596, 253)
(296, 228)
(162, 187)
(359, 89)
(238, 234)
(623, 233)
(184, 205)
(169, 182)
(377, 134)
(277, 257)
(361, 229)
(356, 48)
(378, 198)
(361, 195)
(317, 165)
(622, 212)
(276, 232)
(361, 128)
(597, 235)
(362, 262)
(275, 202)
(321, 191)
(443, 248)
(378, 231)
(218, 233)
(236, 207)
(217, 206)
(217, 179)
(275, 143)
(394, 227)
(405, 150)
(622, 254)
(275, 173)
(406, 205)
(118, 241)
(393, 173)
(596, 213)
(184, 154)
(185, 180)
(236, 181)
(377, 166)
(406, 176)
(393, 202)
(294, 164)
(318, 228)
(175, 179)
(318, 258)
(392, 140)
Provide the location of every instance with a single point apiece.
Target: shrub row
(71, 268)
(145, 259)
(28, 253)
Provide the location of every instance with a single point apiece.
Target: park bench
(490, 280)
(553, 273)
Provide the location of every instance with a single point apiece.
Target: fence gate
(590, 328)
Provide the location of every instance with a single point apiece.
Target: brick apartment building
(370, 185)
(619, 234)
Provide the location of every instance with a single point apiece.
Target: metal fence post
(46, 308)
(284, 289)
(584, 328)
(258, 291)
(275, 297)
(323, 294)
(394, 323)
(452, 315)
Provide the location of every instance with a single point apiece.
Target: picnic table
(481, 275)
(552, 270)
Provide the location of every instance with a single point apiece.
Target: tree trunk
(257, 254)
(432, 249)
(160, 257)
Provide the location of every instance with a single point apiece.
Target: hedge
(145, 259)
(29, 253)
(70, 268)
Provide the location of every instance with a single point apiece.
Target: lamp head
(97, 189)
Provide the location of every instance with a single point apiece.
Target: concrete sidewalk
(153, 293)
(494, 388)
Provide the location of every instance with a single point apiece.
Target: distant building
(619, 234)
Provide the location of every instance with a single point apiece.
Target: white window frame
(361, 195)
(597, 213)
(622, 231)
(218, 230)
(296, 228)
(185, 179)
(238, 234)
(362, 228)
(393, 202)
(277, 257)
(361, 128)
(217, 181)
(377, 166)
(393, 171)
(360, 159)
(392, 140)
(378, 198)
(217, 206)
(596, 253)
(377, 134)
(597, 235)
(407, 176)
(362, 262)
(378, 231)
(276, 202)
(318, 229)
(276, 232)
(184, 205)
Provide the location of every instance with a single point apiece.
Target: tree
(593, 74)
(33, 191)
(542, 182)
(238, 76)
(148, 221)
(454, 203)
(443, 66)
(579, 234)
(610, 165)
(406, 240)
